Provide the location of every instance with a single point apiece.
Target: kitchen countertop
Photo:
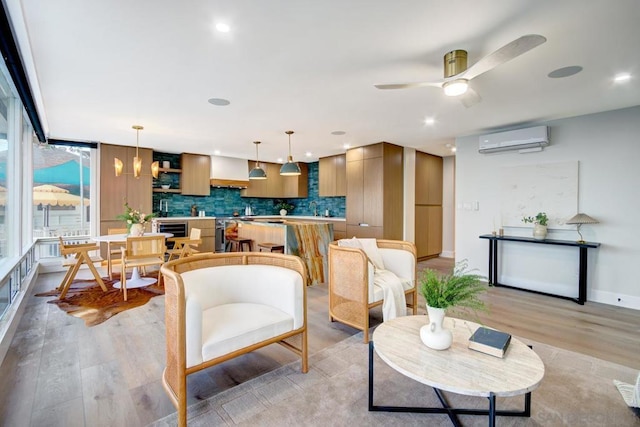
(192, 218)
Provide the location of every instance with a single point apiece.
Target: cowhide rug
(89, 302)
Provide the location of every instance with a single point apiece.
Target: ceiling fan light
(455, 87)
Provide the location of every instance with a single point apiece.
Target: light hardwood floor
(60, 373)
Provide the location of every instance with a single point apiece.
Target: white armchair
(220, 306)
(352, 291)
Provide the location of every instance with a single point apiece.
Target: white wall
(607, 147)
(448, 206)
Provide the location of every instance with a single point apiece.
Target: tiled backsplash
(224, 201)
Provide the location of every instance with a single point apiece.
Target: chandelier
(137, 161)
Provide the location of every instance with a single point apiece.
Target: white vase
(539, 232)
(136, 230)
(433, 335)
(283, 212)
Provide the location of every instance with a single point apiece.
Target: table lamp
(580, 219)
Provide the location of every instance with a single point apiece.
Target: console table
(582, 274)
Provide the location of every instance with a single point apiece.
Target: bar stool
(271, 247)
(238, 244)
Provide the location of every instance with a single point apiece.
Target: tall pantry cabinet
(375, 191)
(428, 225)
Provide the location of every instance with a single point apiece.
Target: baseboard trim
(613, 298)
(448, 254)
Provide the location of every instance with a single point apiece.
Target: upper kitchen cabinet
(195, 178)
(428, 179)
(116, 191)
(332, 175)
(375, 191)
(276, 185)
(229, 172)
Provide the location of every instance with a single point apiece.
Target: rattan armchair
(221, 306)
(352, 292)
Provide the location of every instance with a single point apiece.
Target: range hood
(229, 172)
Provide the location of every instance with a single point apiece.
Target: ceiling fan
(457, 75)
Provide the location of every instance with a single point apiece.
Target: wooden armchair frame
(184, 246)
(349, 284)
(141, 252)
(74, 256)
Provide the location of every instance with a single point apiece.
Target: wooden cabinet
(428, 209)
(428, 179)
(207, 233)
(428, 230)
(332, 176)
(375, 191)
(276, 185)
(195, 174)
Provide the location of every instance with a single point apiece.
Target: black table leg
(582, 276)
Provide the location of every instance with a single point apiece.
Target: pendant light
(137, 161)
(257, 172)
(290, 168)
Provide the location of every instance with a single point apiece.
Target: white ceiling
(310, 66)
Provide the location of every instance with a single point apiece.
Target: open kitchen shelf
(168, 190)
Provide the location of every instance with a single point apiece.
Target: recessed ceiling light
(338, 132)
(565, 72)
(280, 160)
(622, 77)
(308, 154)
(216, 152)
(346, 146)
(219, 101)
(453, 149)
(222, 27)
(429, 121)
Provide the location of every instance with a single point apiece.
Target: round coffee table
(457, 369)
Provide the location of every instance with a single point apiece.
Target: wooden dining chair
(140, 252)
(114, 249)
(184, 246)
(74, 255)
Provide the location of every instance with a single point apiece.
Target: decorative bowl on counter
(165, 186)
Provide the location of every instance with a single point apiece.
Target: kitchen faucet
(315, 208)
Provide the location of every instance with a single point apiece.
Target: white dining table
(135, 281)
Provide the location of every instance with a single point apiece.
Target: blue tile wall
(224, 201)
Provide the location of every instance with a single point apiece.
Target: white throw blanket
(394, 302)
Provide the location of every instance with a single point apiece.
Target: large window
(61, 190)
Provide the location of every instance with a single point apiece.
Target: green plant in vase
(283, 207)
(540, 222)
(459, 290)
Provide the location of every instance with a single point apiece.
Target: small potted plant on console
(539, 222)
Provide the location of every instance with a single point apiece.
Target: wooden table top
(457, 369)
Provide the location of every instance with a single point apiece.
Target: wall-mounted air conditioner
(525, 140)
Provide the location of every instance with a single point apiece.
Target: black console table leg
(491, 262)
(582, 277)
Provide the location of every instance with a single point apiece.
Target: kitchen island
(307, 239)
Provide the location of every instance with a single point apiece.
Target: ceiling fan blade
(470, 98)
(504, 54)
(408, 85)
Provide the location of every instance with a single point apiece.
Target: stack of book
(490, 341)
